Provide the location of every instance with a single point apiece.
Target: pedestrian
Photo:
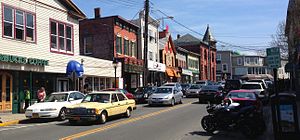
(41, 94)
(27, 98)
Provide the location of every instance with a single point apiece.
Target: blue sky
(239, 22)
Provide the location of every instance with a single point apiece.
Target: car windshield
(185, 86)
(247, 95)
(101, 98)
(141, 90)
(251, 86)
(210, 88)
(201, 83)
(164, 90)
(195, 87)
(57, 97)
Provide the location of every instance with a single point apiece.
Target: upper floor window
(133, 49)
(256, 61)
(18, 24)
(247, 60)
(212, 57)
(224, 67)
(150, 55)
(61, 37)
(126, 47)
(119, 44)
(205, 54)
(88, 45)
(219, 57)
(239, 61)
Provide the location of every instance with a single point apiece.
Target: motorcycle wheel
(208, 124)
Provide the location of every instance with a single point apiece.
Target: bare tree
(280, 40)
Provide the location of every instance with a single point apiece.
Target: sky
(245, 23)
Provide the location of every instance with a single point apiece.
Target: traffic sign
(273, 57)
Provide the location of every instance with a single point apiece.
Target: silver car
(193, 91)
(165, 95)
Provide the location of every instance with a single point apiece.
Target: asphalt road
(181, 122)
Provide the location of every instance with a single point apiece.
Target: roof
(64, 92)
(104, 92)
(73, 9)
(208, 36)
(186, 40)
(119, 17)
(186, 51)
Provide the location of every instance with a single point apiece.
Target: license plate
(35, 115)
(77, 118)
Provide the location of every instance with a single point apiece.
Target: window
(249, 70)
(119, 44)
(218, 57)
(212, 57)
(205, 54)
(18, 24)
(114, 98)
(256, 61)
(133, 49)
(61, 37)
(224, 67)
(121, 97)
(247, 60)
(239, 61)
(88, 45)
(78, 96)
(126, 47)
(150, 55)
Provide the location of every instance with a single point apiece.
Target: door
(5, 92)
(114, 105)
(123, 102)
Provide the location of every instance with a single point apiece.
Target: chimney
(178, 36)
(97, 12)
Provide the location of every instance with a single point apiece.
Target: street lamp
(115, 65)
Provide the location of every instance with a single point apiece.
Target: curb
(9, 123)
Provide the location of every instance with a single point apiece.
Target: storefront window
(108, 83)
(96, 84)
(88, 83)
(102, 83)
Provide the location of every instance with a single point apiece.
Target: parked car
(231, 84)
(262, 81)
(193, 91)
(128, 94)
(185, 87)
(221, 83)
(204, 82)
(177, 85)
(54, 105)
(98, 106)
(165, 95)
(257, 88)
(245, 98)
(142, 93)
(211, 93)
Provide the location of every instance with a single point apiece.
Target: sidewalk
(11, 119)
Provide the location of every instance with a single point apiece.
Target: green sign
(23, 60)
(273, 57)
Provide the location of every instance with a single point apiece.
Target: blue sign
(74, 67)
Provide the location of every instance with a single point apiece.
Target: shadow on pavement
(91, 123)
(35, 121)
(220, 135)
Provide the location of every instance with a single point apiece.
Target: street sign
(273, 57)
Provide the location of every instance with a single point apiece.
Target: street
(181, 122)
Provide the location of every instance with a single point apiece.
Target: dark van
(232, 85)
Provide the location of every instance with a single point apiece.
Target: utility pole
(146, 43)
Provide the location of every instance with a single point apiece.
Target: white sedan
(54, 105)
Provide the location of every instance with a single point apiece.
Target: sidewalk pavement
(11, 119)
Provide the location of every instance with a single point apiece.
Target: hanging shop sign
(23, 60)
(155, 66)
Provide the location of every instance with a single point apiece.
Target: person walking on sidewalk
(27, 98)
(41, 94)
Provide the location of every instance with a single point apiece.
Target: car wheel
(103, 117)
(128, 113)
(62, 114)
(173, 102)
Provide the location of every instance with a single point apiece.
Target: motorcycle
(232, 116)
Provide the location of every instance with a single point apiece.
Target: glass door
(5, 91)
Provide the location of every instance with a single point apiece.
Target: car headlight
(146, 95)
(91, 111)
(49, 109)
(168, 97)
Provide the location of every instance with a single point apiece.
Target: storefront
(156, 73)
(186, 76)
(132, 69)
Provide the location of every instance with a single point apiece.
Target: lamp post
(115, 65)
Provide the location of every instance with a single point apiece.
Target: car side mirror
(71, 99)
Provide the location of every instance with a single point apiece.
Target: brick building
(111, 38)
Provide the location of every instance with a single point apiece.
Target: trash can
(285, 117)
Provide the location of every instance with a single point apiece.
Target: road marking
(88, 132)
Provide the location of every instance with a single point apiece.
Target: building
(156, 69)
(292, 32)
(168, 57)
(38, 40)
(111, 38)
(207, 50)
(188, 63)
(249, 65)
(224, 65)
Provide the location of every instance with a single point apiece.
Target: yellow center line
(88, 132)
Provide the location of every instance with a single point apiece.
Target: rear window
(247, 95)
(195, 87)
(251, 86)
